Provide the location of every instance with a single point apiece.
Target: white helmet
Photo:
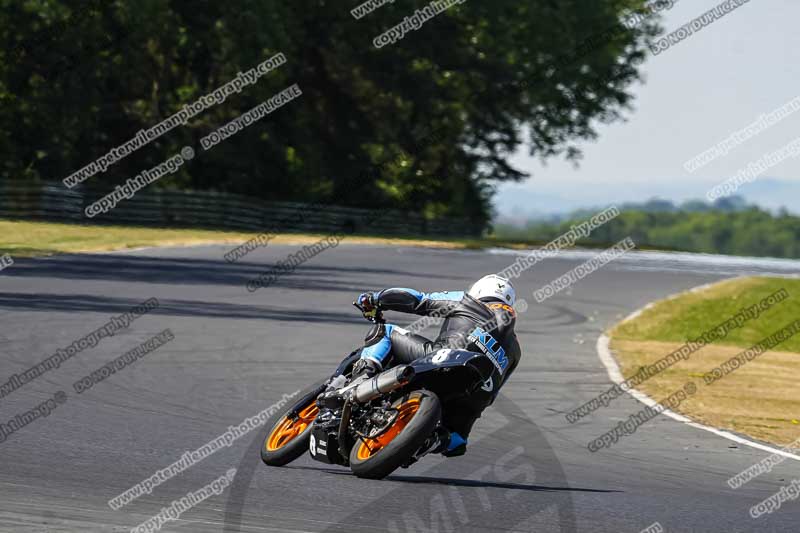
(493, 286)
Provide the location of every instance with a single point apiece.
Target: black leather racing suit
(390, 344)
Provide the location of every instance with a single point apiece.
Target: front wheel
(287, 437)
(418, 414)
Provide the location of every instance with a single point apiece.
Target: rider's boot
(368, 367)
(456, 445)
(449, 444)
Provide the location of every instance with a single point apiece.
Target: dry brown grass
(760, 399)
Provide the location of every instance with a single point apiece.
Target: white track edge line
(614, 373)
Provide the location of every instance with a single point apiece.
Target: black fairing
(453, 372)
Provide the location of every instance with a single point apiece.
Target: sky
(695, 94)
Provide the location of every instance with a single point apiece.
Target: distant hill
(518, 204)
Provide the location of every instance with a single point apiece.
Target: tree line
(425, 124)
(746, 231)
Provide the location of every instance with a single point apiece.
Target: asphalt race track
(236, 353)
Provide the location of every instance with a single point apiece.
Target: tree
(78, 78)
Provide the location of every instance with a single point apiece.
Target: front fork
(305, 400)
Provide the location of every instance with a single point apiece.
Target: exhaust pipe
(387, 381)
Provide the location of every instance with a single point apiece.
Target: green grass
(686, 317)
(760, 397)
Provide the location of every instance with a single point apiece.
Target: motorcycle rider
(480, 320)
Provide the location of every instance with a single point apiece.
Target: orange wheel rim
(406, 412)
(287, 429)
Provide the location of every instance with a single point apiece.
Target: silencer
(387, 381)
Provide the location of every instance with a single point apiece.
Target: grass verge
(759, 399)
(26, 239)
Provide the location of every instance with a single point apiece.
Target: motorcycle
(374, 425)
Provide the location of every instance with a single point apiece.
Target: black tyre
(420, 411)
(287, 439)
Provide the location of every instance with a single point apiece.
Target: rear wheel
(418, 413)
(287, 438)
